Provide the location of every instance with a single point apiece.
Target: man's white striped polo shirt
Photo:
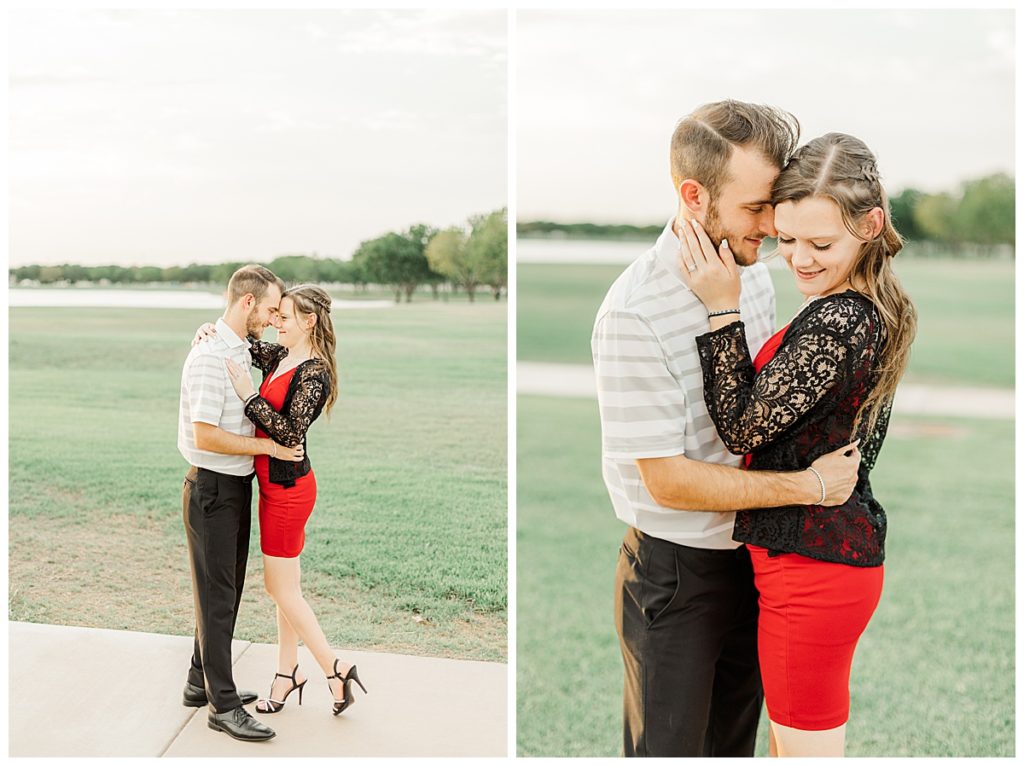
(650, 387)
(207, 397)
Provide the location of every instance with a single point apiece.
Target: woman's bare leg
(282, 578)
(796, 743)
(287, 646)
(773, 748)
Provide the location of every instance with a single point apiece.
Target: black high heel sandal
(346, 681)
(274, 706)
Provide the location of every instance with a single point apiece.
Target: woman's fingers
(686, 261)
(696, 251)
(725, 253)
(234, 371)
(708, 248)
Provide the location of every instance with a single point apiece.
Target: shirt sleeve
(207, 385)
(642, 405)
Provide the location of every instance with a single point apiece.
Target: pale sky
(166, 137)
(598, 94)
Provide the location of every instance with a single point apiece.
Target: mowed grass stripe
(965, 335)
(934, 673)
(411, 467)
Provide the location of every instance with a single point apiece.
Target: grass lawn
(965, 333)
(934, 673)
(406, 548)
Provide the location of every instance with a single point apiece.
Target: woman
(299, 382)
(822, 381)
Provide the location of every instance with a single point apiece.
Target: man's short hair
(703, 141)
(252, 279)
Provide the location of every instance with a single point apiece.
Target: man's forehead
(751, 176)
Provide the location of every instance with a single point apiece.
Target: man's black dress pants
(687, 624)
(218, 516)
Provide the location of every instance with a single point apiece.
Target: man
(686, 607)
(216, 438)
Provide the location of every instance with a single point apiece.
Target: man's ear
(874, 222)
(694, 196)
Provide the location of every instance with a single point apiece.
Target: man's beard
(716, 233)
(253, 325)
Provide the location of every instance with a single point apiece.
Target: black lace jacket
(801, 405)
(307, 393)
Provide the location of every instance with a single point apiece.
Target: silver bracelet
(821, 481)
(722, 313)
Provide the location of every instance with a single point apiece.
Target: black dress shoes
(195, 696)
(240, 725)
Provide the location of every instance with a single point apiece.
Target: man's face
(743, 213)
(263, 313)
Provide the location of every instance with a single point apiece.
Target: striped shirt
(208, 397)
(650, 386)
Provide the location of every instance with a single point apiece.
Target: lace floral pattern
(266, 356)
(801, 405)
(303, 403)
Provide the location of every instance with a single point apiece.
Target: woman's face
(816, 244)
(291, 327)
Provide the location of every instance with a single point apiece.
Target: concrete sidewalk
(91, 692)
(577, 381)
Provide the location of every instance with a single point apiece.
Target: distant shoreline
(560, 237)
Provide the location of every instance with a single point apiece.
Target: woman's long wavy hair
(311, 299)
(841, 168)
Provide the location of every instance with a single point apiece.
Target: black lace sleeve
(265, 356)
(289, 427)
(872, 444)
(750, 411)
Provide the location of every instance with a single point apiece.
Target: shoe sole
(215, 727)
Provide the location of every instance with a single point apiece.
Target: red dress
(283, 510)
(812, 614)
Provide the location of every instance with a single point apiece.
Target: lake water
(141, 299)
(578, 251)
(587, 251)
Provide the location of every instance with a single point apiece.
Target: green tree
(330, 270)
(174, 274)
(221, 273)
(902, 209)
(26, 272)
(397, 260)
(51, 274)
(295, 269)
(146, 274)
(73, 273)
(353, 273)
(196, 272)
(933, 216)
(488, 247)
(448, 255)
(985, 214)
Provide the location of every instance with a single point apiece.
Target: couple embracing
(739, 454)
(230, 433)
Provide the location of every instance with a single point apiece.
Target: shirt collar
(229, 336)
(667, 252)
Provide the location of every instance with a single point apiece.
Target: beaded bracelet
(821, 481)
(722, 313)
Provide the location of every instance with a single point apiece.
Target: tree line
(980, 212)
(469, 257)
